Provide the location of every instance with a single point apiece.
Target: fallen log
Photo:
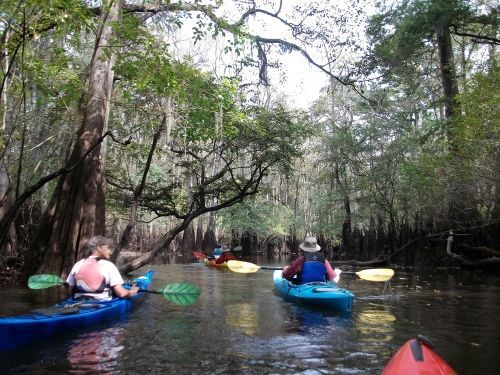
(368, 263)
(477, 252)
(482, 263)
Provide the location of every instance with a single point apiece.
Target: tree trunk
(209, 240)
(76, 209)
(381, 239)
(494, 228)
(447, 67)
(250, 244)
(346, 225)
(198, 245)
(188, 243)
(462, 207)
(8, 245)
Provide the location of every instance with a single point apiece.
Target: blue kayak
(66, 316)
(323, 294)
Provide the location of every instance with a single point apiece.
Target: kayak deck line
(325, 289)
(323, 294)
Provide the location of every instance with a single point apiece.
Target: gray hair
(95, 242)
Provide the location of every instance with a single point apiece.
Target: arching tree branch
(13, 210)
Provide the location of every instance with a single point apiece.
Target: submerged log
(374, 262)
(478, 252)
(474, 257)
(482, 263)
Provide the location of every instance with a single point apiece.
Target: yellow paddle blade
(376, 274)
(242, 267)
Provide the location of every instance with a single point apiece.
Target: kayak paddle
(179, 293)
(44, 281)
(374, 274)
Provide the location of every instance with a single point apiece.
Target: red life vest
(89, 278)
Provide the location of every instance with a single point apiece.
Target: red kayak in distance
(198, 255)
(416, 357)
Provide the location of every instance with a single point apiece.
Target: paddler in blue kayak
(95, 277)
(312, 266)
(217, 251)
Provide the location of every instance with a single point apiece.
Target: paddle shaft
(280, 268)
(151, 291)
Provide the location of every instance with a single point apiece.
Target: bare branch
(477, 38)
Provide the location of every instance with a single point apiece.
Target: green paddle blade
(180, 294)
(44, 281)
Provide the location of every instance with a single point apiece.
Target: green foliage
(401, 36)
(477, 136)
(277, 135)
(263, 218)
(209, 123)
(55, 76)
(328, 213)
(44, 42)
(207, 107)
(478, 129)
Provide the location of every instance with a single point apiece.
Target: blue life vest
(217, 251)
(314, 267)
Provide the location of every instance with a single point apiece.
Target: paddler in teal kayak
(95, 277)
(312, 266)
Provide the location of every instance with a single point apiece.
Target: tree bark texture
(198, 245)
(462, 207)
(447, 67)
(188, 239)
(76, 209)
(494, 228)
(209, 240)
(9, 244)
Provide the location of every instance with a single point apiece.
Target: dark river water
(240, 326)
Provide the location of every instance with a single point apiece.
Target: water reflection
(239, 325)
(375, 319)
(243, 316)
(96, 352)
(307, 318)
(375, 326)
(294, 319)
(28, 299)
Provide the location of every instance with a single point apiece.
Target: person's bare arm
(122, 292)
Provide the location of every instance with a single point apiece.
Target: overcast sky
(299, 81)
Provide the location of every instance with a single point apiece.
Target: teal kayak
(65, 316)
(323, 294)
